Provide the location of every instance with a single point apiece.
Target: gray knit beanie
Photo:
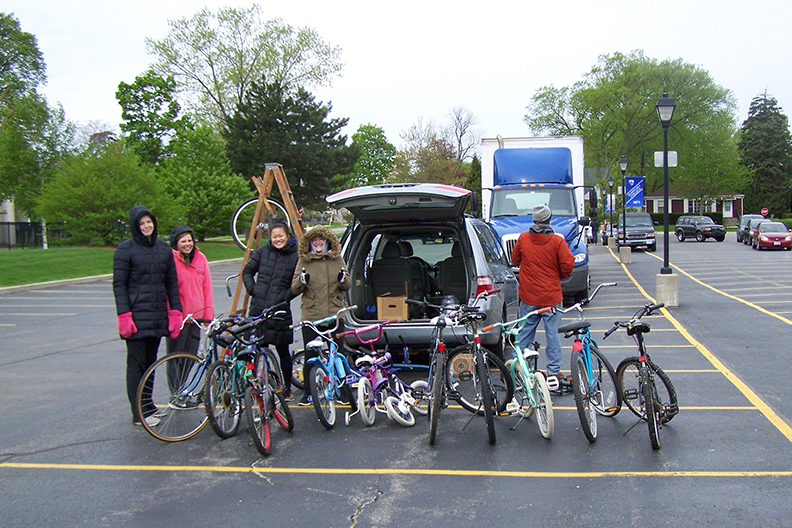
(542, 214)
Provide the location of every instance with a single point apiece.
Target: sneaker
(288, 396)
(305, 401)
(182, 403)
(151, 421)
(553, 382)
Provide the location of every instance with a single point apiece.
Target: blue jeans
(551, 323)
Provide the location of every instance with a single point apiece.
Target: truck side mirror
(584, 221)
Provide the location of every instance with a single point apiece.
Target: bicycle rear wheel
(628, 377)
(435, 395)
(365, 399)
(171, 390)
(257, 412)
(298, 360)
(459, 377)
(487, 394)
(281, 412)
(608, 400)
(242, 219)
(221, 400)
(652, 409)
(585, 407)
(323, 399)
(420, 390)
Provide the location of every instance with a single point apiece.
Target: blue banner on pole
(635, 191)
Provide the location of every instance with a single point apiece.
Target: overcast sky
(408, 59)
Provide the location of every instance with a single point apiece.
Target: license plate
(776, 243)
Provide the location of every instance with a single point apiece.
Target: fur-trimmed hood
(304, 249)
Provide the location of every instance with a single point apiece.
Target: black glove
(342, 275)
(305, 278)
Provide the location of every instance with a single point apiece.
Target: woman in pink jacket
(195, 288)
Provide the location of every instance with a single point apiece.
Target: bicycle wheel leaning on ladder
(242, 219)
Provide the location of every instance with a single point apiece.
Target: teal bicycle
(531, 393)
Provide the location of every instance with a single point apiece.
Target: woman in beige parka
(321, 277)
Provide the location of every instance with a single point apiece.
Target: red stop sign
(764, 211)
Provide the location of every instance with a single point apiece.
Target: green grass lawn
(28, 266)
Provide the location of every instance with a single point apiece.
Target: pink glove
(174, 323)
(126, 326)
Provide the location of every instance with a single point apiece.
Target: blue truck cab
(520, 173)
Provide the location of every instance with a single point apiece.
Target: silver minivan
(415, 241)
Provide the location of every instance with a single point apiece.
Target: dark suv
(743, 233)
(700, 227)
(640, 231)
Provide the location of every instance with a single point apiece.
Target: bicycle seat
(225, 340)
(573, 327)
(638, 327)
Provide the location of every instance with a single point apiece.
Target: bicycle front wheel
(242, 219)
(652, 408)
(607, 400)
(171, 390)
(399, 411)
(459, 377)
(483, 374)
(419, 390)
(298, 360)
(257, 412)
(323, 398)
(585, 407)
(544, 405)
(222, 403)
(365, 399)
(628, 378)
(435, 395)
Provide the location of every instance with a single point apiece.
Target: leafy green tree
(427, 156)
(217, 57)
(92, 192)
(33, 136)
(376, 156)
(765, 145)
(198, 177)
(274, 125)
(613, 109)
(150, 113)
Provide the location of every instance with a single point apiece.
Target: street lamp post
(610, 225)
(623, 167)
(665, 111)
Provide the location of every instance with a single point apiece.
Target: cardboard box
(392, 308)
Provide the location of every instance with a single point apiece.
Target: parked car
(750, 229)
(772, 235)
(640, 231)
(742, 230)
(414, 240)
(700, 227)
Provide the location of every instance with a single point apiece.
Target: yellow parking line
(765, 409)
(402, 471)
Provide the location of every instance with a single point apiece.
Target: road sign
(672, 158)
(764, 211)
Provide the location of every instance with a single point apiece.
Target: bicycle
(465, 372)
(242, 219)
(330, 379)
(171, 388)
(380, 390)
(636, 379)
(593, 379)
(531, 392)
(248, 373)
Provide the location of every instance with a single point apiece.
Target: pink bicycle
(379, 389)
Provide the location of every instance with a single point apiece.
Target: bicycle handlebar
(579, 305)
(324, 321)
(358, 331)
(646, 310)
(452, 307)
(517, 321)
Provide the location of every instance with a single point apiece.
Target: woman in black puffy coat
(268, 277)
(146, 291)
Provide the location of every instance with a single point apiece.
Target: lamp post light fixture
(610, 226)
(665, 111)
(623, 167)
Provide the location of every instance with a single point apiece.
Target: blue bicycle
(593, 378)
(329, 376)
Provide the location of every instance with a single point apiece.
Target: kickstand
(471, 418)
(632, 426)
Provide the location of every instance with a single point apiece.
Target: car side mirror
(584, 221)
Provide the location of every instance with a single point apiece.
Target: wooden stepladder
(273, 174)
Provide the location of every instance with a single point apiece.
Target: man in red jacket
(544, 259)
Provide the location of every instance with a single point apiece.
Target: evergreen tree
(765, 145)
(275, 125)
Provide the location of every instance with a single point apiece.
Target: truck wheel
(680, 235)
(700, 236)
(653, 247)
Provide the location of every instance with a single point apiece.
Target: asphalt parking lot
(69, 454)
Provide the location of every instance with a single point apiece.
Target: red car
(772, 235)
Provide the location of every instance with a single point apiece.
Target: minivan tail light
(483, 284)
